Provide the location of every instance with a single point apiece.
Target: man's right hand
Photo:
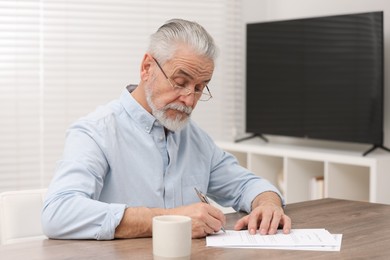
(206, 219)
(137, 222)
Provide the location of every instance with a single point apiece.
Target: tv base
(250, 137)
(375, 146)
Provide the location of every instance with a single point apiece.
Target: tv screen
(319, 78)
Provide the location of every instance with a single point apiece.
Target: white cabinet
(295, 170)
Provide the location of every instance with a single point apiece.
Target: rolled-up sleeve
(233, 185)
(72, 209)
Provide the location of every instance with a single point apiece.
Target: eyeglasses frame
(189, 91)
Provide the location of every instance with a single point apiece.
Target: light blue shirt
(119, 156)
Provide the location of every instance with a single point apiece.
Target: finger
(215, 219)
(209, 230)
(241, 223)
(212, 225)
(198, 234)
(200, 229)
(286, 220)
(218, 214)
(253, 221)
(211, 217)
(265, 222)
(276, 219)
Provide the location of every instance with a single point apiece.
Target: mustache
(179, 107)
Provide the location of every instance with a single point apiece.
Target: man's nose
(188, 99)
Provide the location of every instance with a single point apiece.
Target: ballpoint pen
(203, 198)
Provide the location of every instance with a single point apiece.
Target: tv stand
(375, 146)
(250, 137)
(304, 173)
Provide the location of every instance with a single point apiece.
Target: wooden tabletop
(365, 228)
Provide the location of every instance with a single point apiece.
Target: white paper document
(298, 239)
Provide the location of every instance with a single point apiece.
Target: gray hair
(164, 42)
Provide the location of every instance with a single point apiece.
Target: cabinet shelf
(345, 174)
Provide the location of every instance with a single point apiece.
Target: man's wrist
(266, 197)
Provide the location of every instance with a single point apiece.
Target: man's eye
(199, 88)
(180, 84)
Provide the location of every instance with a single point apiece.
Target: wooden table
(365, 228)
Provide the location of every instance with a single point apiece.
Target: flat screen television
(319, 78)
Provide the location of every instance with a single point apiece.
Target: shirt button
(161, 138)
(147, 128)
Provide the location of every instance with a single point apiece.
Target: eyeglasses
(200, 95)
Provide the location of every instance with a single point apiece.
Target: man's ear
(145, 66)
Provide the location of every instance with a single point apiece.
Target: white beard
(173, 124)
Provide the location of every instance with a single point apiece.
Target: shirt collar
(137, 112)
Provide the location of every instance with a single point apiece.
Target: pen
(203, 198)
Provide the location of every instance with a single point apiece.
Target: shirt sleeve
(71, 208)
(234, 186)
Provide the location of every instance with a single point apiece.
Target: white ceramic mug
(172, 237)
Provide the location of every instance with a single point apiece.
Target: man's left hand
(266, 216)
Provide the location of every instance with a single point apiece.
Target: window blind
(61, 59)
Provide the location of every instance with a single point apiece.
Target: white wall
(271, 10)
(59, 60)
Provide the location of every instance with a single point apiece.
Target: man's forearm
(137, 222)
